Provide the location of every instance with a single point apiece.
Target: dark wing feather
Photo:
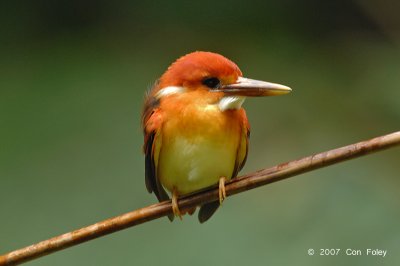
(149, 119)
(151, 180)
(150, 171)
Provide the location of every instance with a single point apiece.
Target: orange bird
(196, 132)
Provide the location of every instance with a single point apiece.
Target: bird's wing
(208, 209)
(152, 146)
(152, 123)
(243, 147)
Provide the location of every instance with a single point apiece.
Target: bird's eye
(212, 83)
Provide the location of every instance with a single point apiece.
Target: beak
(254, 88)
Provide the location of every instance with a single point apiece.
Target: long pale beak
(254, 88)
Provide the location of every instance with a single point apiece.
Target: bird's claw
(221, 189)
(175, 206)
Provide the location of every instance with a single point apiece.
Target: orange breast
(199, 143)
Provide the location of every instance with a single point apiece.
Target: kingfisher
(196, 132)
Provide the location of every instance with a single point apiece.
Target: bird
(196, 132)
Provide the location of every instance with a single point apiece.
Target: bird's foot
(175, 207)
(221, 190)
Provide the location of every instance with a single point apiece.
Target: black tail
(207, 210)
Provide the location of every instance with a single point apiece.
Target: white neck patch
(231, 103)
(169, 90)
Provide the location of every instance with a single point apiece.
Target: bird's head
(216, 75)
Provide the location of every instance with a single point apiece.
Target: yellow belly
(195, 154)
(190, 165)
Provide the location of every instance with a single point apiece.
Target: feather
(151, 122)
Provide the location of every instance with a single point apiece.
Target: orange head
(212, 76)
(200, 69)
(215, 73)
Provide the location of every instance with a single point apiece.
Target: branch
(237, 185)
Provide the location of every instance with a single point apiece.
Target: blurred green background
(72, 79)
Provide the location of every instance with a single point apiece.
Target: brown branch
(240, 184)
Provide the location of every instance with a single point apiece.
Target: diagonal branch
(240, 184)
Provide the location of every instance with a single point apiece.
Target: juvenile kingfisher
(196, 133)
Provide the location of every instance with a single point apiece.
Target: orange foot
(175, 207)
(221, 190)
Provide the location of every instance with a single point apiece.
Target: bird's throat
(231, 103)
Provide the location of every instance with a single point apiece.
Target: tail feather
(207, 210)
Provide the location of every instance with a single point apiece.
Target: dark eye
(212, 83)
